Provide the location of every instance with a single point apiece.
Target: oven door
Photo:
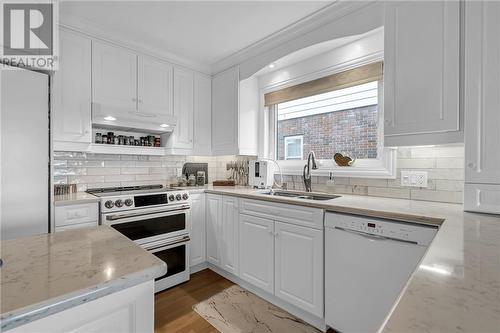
(175, 253)
(147, 225)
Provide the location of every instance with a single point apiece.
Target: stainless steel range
(156, 218)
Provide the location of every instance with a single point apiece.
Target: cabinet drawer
(77, 226)
(75, 214)
(483, 198)
(305, 216)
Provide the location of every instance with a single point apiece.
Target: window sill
(383, 167)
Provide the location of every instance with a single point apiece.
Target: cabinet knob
(134, 99)
(471, 165)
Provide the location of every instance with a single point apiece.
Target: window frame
(287, 158)
(384, 166)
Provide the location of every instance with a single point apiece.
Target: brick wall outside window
(352, 132)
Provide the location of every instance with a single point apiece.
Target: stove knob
(178, 197)
(185, 196)
(119, 203)
(129, 202)
(109, 204)
(171, 197)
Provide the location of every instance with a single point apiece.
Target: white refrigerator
(24, 154)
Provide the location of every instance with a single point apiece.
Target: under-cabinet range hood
(131, 120)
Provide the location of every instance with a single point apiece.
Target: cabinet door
(421, 71)
(299, 266)
(225, 105)
(256, 251)
(229, 244)
(482, 92)
(214, 228)
(71, 91)
(114, 78)
(202, 115)
(182, 136)
(154, 88)
(197, 251)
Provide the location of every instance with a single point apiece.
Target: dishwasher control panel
(416, 233)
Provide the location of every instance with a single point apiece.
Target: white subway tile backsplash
(119, 178)
(416, 163)
(134, 171)
(148, 164)
(449, 185)
(85, 179)
(449, 162)
(441, 196)
(399, 193)
(103, 171)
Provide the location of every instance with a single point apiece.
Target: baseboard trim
(317, 322)
(198, 267)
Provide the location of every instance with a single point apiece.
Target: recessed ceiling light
(110, 118)
(164, 125)
(272, 65)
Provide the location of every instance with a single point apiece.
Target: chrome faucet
(307, 170)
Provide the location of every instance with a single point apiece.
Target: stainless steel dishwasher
(368, 262)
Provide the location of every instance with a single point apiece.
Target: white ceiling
(200, 31)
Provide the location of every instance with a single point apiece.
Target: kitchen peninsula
(94, 274)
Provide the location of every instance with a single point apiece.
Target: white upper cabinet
(202, 115)
(71, 90)
(421, 72)
(114, 78)
(225, 104)
(154, 89)
(182, 136)
(482, 106)
(235, 107)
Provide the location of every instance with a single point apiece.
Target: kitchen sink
(302, 195)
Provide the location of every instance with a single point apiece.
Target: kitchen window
(293, 147)
(339, 113)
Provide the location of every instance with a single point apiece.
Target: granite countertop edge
(54, 305)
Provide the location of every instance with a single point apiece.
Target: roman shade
(345, 79)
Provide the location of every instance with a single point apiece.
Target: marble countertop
(45, 274)
(456, 287)
(74, 199)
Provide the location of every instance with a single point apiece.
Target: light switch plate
(414, 178)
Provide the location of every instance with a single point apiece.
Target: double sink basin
(301, 195)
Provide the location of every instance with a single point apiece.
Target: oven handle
(161, 247)
(124, 216)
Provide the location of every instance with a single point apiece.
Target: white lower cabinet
(197, 254)
(214, 227)
(129, 310)
(229, 244)
(299, 266)
(257, 251)
(262, 244)
(76, 216)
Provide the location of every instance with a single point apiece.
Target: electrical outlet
(414, 178)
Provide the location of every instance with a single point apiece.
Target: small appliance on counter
(198, 173)
(261, 174)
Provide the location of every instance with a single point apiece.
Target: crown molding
(323, 16)
(89, 29)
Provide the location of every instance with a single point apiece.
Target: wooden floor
(174, 307)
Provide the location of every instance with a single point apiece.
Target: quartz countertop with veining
(456, 287)
(74, 198)
(42, 275)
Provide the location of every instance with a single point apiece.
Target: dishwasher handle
(373, 237)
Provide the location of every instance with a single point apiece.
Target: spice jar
(98, 138)
(157, 141)
(104, 139)
(111, 138)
